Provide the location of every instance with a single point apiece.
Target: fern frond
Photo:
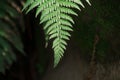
(58, 22)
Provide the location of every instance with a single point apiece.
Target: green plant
(10, 34)
(57, 21)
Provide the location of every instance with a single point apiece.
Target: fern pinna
(58, 22)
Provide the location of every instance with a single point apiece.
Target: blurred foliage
(10, 34)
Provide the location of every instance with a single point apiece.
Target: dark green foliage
(10, 34)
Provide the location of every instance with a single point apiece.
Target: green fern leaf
(58, 22)
(27, 4)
